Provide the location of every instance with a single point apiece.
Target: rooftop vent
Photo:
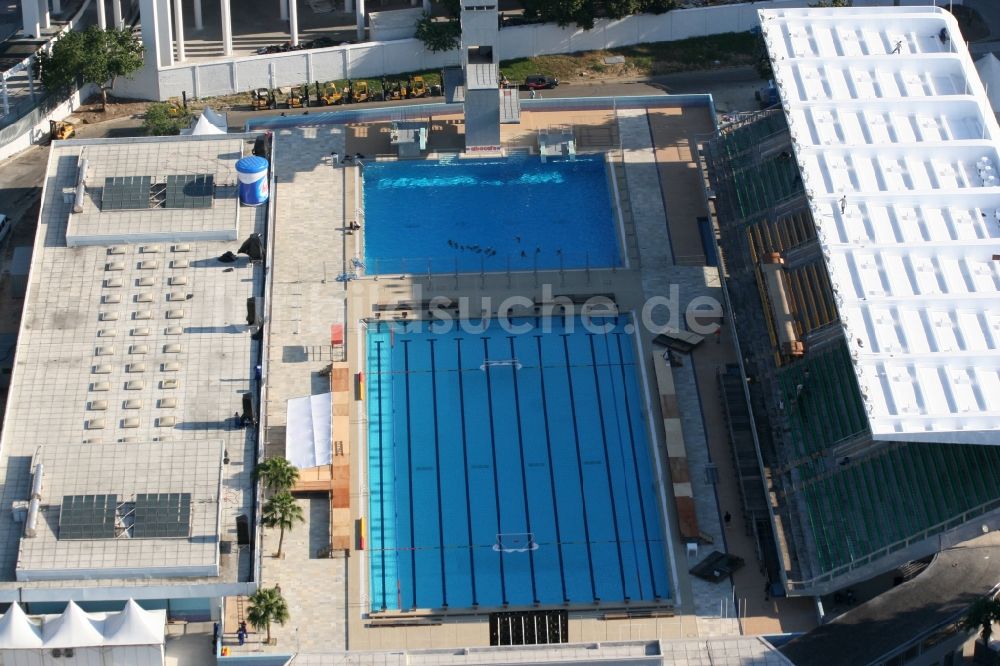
(108, 350)
(142, 314)
(135, 367)
(169, 384)
(177, 280)
(108, 316)
(98, 405)
(141, 331)
(108, 299)
(135, 385)
(130, 422)
(177, 296)
(103, 369)
(182, 247)
(149, 265)
(114, 266)
(100, 386)
(173, 330)
(95, 424)
(170, 366)
(166, 422)
(180, 263)
(149, 249)
(172, 348)
(144, 297)
(107, 333)
(113, 283)
(166, 403)
(145, 282)
(175, 314)
(116, 249)
(132, 403)
(138, 349)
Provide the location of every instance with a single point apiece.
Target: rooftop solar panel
(162, 516)
(126, 193)
(88, 517)
(190, 191)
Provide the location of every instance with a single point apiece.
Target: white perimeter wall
(373, 59)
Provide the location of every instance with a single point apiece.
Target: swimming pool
(469, 215)
(518, 483)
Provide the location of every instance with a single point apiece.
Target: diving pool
(469, 215)
(524, 481)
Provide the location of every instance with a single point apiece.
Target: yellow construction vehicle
(392, 90)
(417, 87)
(60, 129)
(329, 94)
(357, 91)
(263, 98)
(297, 97)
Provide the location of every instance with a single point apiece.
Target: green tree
(562, 12)
(281, 511)
(621, 8)
(277, 474)
(657, 6)
(92, 56)
(981, 616)
(267, 606)
(439, 35)
(164, 119)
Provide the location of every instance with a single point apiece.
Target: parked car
(540, 81)
(5, 225)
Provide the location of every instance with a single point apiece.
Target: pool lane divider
(579, 467)
(635, 465)
(493, 453)
(437, 471)
(465, 467)
(381, 468)
(607, 467)
(552, 472)
(409, 472)
(524, 475)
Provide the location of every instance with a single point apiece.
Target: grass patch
(726, 50)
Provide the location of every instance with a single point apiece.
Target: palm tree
(267, 606)
(282, 512)
(981, 615)
(277, 474)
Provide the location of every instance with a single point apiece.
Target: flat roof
(136, 345)
(126, 470)
(898, 150)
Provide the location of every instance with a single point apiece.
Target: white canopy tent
(307, 436)
(210, 122)
(132, 637)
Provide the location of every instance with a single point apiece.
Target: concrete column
(102, 15)
(31, 78)
(116, 12)
(32, 21)
(227, 29)
(43, 14)
(57, 6)
(283, 8)
(359, 14)
(293, 20)
(198, 22)
(166, 33)
(179, 22)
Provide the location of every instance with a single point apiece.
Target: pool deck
(314, 203)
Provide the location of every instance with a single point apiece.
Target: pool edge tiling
(442, 440)
(497, 214)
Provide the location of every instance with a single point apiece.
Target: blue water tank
(252, 174)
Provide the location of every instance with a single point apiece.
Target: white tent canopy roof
(899, 154)
(134, 626)
(307, 439)
(74, 628)
(17, 631)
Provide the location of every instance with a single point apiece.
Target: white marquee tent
(132, 637)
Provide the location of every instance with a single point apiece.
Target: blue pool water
(459, 454)
(476, 214)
